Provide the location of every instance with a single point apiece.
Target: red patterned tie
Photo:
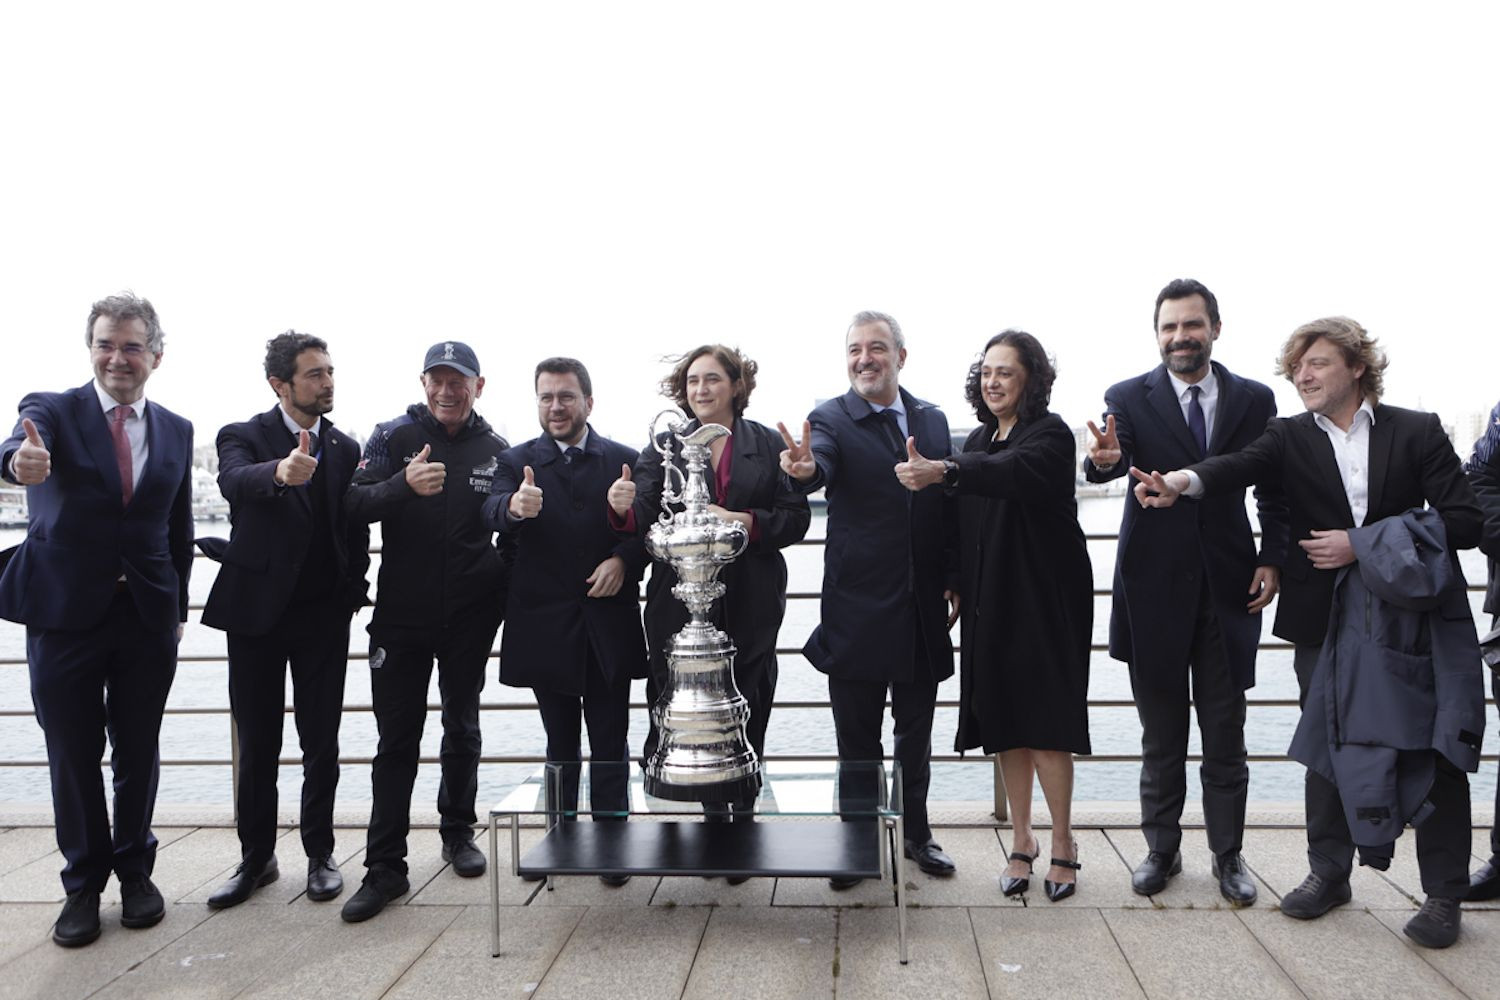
(122, 451)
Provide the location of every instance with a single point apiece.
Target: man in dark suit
(1483, 469)
(1348, 462)
(890, 565)
(1202, 638)
(290, 578)
(101, 585)
(573, 616)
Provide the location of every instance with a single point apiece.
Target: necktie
(893, 431)
(312, 443)
(1196, 423)
(122, 451)
(572, 455)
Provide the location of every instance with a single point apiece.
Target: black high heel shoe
(1011, 886)
(1059, 891)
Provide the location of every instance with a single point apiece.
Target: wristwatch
(950, 472)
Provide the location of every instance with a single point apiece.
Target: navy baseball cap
(452, 354)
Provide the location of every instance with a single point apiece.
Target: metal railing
(356, 655)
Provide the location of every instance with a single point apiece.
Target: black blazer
(550, 623)
(261, 562)
(1484, 476)
(1412, 464)
(1164, 552)
(81, 537)
(755, 584)
(890, 553)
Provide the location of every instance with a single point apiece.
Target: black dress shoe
(930, 858)
(468, 859)
(1315, 897)
(1155, 871)
(614, 880)
(141, 904)
(1485, 882)
(1010, 885)
(1436, 923)
(246, 879)
(1235, 884)
(78, 924)
(379, 888)
(839, 883)
(1059, 891)
(323, 879)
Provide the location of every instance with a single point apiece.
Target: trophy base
(733, 790)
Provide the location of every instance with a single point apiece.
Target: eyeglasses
(104, 349)
(565, 399)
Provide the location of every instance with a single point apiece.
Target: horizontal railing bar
(1098, 758)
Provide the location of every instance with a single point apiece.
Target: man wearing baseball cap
(441, 593)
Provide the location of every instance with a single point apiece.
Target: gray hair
(868, 318)
(127, 306)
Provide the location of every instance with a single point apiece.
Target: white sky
(618, 181)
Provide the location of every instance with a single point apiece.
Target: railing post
(234, 768)
(1002, 810)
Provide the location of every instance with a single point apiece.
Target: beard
(1183, 364)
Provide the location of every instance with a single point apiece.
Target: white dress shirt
(1351, 450)
(296, 429)
(135, 430)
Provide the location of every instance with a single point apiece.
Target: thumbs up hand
(32, 462)
(299, 465)
(918, 472)
(425, 478)
(622, 493)
(526, 501)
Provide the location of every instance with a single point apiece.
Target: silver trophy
(703, 754)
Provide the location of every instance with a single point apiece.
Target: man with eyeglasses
(440, 595)
(573, 619)
(101, 584)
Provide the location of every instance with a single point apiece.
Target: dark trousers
(109, 680)
(1161, 701)
(312, 638)
(859, 712)
(605, 708)
(400, 668)
(1442, 841)
(1495, 689)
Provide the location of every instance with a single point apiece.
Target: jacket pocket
(1386, 697)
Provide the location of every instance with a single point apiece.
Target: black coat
(273, 527)
(550, 622)
(890, 552)
(1484, 476)
(755, 584)
(1028, 593)
(1163, 553)
(1412, 464)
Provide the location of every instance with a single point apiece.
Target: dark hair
(1041, 372)
(126, 306)
(565, 366)
(283, 350)
(1181, 288)
(740, 369)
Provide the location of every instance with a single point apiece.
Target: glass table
(811, 820)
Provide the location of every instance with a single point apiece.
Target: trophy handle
(673, 481)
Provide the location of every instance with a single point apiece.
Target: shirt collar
(1365, 411)
(582, 444)
(294, 427)
(1209, 386)
(108, 402)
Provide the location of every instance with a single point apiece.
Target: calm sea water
(792, 731)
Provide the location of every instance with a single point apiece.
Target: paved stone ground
(691, 937)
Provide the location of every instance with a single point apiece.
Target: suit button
(578, 505)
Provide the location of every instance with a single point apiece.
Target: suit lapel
(1325, 464)
(744, 473)
(274, 436)
(1234, 400)
(96, 437)
(330, 441)
(1168, 409)
(1382, 437)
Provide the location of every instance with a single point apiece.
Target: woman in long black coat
(1026, 588)
(714, 383)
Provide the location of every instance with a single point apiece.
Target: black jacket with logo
(439, 564)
